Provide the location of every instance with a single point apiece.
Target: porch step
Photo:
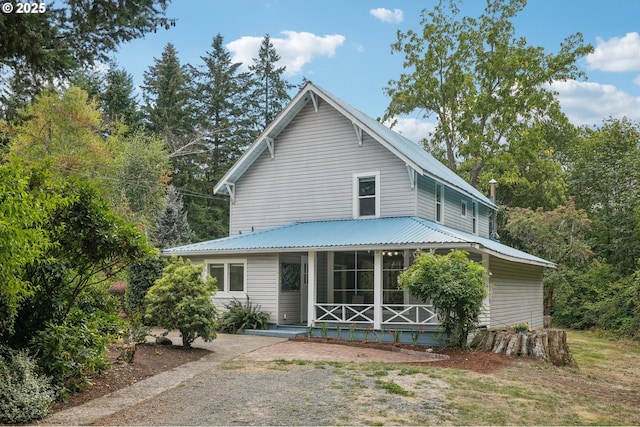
(279, 331)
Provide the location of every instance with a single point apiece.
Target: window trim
(463, 208)
(474, 217)
(227, 262)
(356, 193)
(439, 206)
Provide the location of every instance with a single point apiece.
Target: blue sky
(344, 46)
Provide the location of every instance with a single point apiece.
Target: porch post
(485, 314)
(377, 289)
(311, 287)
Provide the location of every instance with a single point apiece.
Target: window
(439, 202)
(230, 276)
(366, 192)
(353, 277)
(474, 217)
(463, 209)
(392, 266)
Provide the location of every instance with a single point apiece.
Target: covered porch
(360, 288)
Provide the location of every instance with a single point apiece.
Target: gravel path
(273, 393)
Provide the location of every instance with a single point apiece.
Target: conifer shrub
(25, 395)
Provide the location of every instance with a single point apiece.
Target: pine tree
(225, 129)
(269, 87)
(172, 228)
(118, 100)
(167, 98)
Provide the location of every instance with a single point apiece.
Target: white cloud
(296, 49)
(387, 15)
(411, 128)
(589, 103)
(616, 54)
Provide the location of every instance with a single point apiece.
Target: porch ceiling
(355, 234)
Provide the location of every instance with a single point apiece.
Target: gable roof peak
(408, 151)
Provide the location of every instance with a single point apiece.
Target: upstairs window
(439, 202)
(366, 189)
(474, 217)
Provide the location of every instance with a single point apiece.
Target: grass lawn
(603, 390)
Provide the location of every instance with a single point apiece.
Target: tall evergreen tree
(118, 100)
(270, 89)
(222, 102)
(167, 98)
(172, 228)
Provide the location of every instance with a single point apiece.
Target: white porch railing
(392, 314)
(422, 314)
(344, 313)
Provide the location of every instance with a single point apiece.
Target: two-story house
(327, 208)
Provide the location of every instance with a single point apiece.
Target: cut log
(546, 345)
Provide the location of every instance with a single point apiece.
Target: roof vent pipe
(493, 235)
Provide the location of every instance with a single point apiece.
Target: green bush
(578, 292)
(454, 284)
(619, 310)
(69, 352)
(239, 317)
(25, 396)
(142, 276)
(181, 299)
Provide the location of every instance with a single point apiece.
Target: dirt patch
(149, 360)
(472, 360)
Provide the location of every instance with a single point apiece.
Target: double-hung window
(230, 275)
(366, 194)
(439, 202)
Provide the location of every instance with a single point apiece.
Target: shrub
(239, 317)
(181, 299)
(69, 352)
(454, 284)
(25, 396)
(142, 275)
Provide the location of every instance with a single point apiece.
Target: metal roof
(411, 153)
(355, 234)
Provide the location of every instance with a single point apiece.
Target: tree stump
(547, 345)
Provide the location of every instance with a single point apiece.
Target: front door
(304, 289)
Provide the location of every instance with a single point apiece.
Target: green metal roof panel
(352, 233)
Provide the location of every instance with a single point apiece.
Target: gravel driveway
(245, 381)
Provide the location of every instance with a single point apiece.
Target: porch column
(311, 287)
(485, 314)
(377, 289)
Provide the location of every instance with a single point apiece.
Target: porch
(351, 289)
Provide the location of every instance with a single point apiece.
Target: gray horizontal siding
(262, 281)
(516, 293)
(311, 176)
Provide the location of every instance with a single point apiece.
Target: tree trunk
(548, 345)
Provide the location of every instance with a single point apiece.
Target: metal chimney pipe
(494, 227)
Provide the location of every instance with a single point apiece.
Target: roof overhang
(356, 234)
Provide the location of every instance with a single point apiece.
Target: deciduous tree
(483, 84)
